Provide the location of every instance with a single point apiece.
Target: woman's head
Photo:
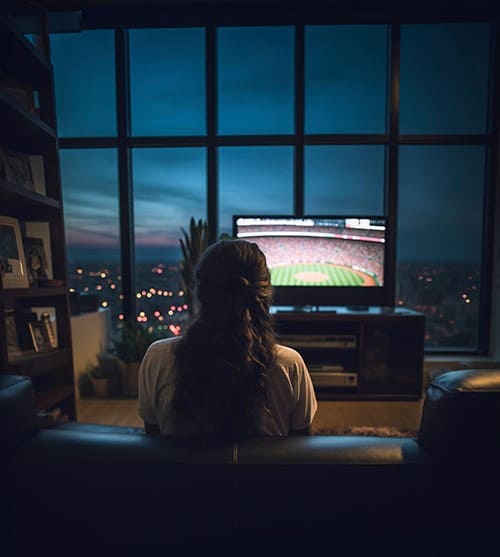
(232, 275)
(224, 356)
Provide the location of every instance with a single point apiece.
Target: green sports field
(316, 274)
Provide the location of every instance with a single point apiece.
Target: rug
(381, 431)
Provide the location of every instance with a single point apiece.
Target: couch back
(124, 493)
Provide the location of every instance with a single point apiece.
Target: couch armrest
(17, 411)
(461, 414)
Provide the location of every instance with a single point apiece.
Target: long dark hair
(223, 357)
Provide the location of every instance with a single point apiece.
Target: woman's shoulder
(162, 347)
(287, 355)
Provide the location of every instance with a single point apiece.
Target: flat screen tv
(323, 261)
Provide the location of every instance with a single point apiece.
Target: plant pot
(132, 370)
(103, 387)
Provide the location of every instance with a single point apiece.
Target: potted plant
(193, 244)
(130, 348)
(106, 375)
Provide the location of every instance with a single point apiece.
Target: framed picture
(17, 169)
(39, 337)
(13, 347)
(36, 260)
(12, 253)
(38, 173)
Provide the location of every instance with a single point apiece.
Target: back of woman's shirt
(291, 401)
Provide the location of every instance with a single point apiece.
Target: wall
(90, 336)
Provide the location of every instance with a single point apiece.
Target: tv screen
(322, 260)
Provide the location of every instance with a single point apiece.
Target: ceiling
(475, 8)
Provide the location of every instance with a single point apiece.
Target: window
(228, 131)
(91, 215)
(441, 185)
(344, 179)
(444, 78)
(255, 80)
(346, 78)
(167, 81)
(169, 189)
(254, 181)
(84, 72)
(440, 218)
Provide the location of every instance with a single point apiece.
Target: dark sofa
(79, 489)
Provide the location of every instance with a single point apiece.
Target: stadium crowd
(357, 254)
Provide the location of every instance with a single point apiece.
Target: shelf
(29, 62)
(47, 399)
(385, 349)
(35, 292)
(24, 131)
(26, 204)
(34, 364)
(20, 126)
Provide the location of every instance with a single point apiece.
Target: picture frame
(38, 173)
(12, 339)
(12, 252)
(36, 260)
(39, 337)
(41, 229)
(17, 169)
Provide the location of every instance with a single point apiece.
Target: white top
(291, 401)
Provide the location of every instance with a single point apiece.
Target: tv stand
(359, 353)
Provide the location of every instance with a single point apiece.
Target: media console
(365, 353)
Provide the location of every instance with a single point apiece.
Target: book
(47, 324)
(38, 174)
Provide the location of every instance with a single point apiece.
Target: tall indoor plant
(193, 244)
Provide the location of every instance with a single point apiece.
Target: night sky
(441, 187)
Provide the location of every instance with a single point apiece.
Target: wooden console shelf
(370, 354)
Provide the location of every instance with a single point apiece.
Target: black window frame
(213, 15)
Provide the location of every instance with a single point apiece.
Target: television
(320, 261)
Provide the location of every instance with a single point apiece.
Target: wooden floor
(122, 411)
(399, 415)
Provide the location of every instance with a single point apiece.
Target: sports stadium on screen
(319, 251)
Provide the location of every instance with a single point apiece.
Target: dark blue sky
(444, 71)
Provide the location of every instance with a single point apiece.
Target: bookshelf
(35, 333)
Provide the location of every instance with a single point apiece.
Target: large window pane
(440, 219)
(346, 78)
(444, 78)
(84, 74)
(255, 80)
(254, 181)
(169, 189)
(344, 180)
(91, 218)
(167, 81)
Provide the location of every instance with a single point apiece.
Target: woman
(227, 377)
